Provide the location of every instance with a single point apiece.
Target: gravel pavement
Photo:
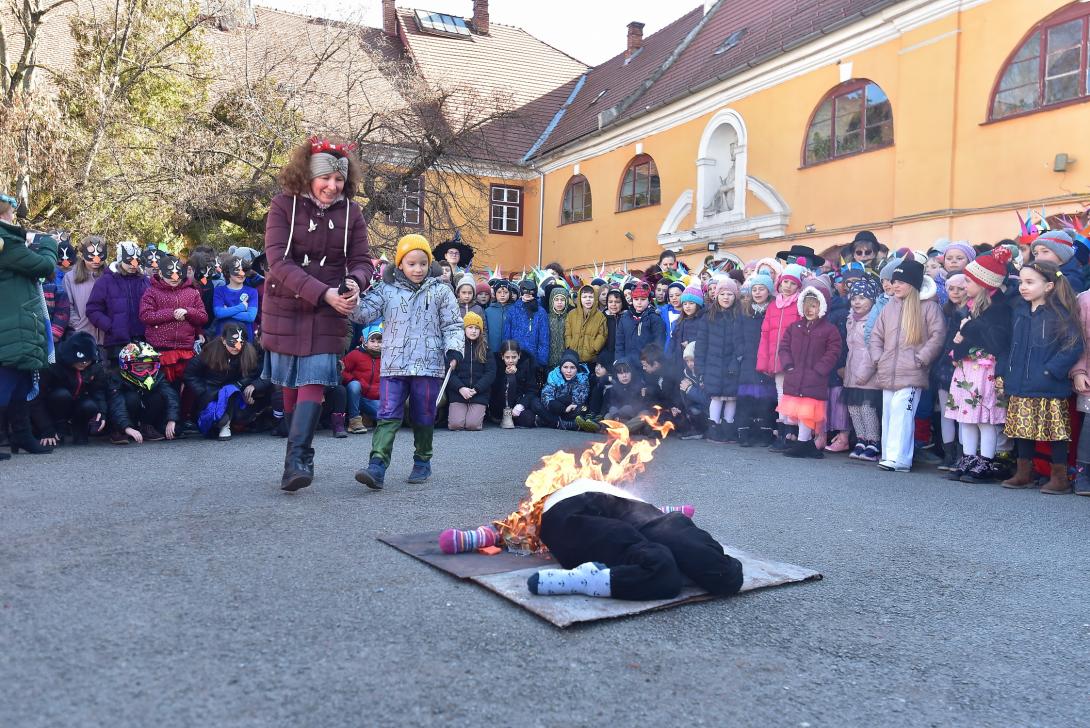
(173, 584)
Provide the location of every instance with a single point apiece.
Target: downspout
(540, 214)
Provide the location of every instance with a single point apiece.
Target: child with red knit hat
(982, 341)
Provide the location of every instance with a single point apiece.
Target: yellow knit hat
(473, 319)
(409, 243)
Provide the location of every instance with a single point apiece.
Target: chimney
(635, 39)
(389, 17)
(480, 16)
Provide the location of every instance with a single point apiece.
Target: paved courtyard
(174, 585)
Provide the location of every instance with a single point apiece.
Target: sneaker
(961, 467)
(586, 424)
(693, 435)
(356, 426)
(374, 475)
(857, 451)
(981, 471)
(151, 433)
(870, 453)
(892, 467)
(224, 433)
(421, 471)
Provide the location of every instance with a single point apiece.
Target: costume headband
(9, 200)
(324, 163)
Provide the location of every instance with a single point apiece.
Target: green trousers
(382, 443)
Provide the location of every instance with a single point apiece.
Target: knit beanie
(676, 284)
(693, 294)
(938, 247)
(911, 272)
(958, 279)
(793, 272)
(568, 356)
(866, 287)
(729, 284)
(466, 280)
(1059, 242)
(472, 319)
(762, 279)
(483, 287)
(964, 247)
(772, 263)
(990, 270)
(886, 273)
(689, 352)
(408, 243)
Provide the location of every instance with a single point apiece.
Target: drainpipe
(540, 214)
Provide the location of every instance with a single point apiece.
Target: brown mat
(506, 575)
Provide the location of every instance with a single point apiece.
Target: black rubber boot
(22, 438)
(299, 456)
(780, 444)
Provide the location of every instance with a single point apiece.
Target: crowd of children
(968, 357)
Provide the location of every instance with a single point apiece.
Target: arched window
(1048, 68)
(853, 118)
(640, 185)
(576, 202)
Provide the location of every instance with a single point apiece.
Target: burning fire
(614, 461)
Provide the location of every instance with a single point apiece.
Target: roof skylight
(441, 23)
(732, 40)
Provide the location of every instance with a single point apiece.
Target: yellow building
(752, 126)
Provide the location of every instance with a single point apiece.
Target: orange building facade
(780, 154)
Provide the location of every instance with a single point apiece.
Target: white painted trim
(869, 32)
(767, 194)
(930, 41)
(677, 213)
(845, 69)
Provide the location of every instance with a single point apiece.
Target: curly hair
(294, 177)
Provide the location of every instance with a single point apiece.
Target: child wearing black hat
(906, 339)
(564, 396)
(72, 393)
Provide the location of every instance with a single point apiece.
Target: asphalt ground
(173, 584)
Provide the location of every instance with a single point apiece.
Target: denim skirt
(295, 371)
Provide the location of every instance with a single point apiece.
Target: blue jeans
(357, 404)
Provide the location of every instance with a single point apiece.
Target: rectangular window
(1063, 61)
(506, 210)
(410, 205)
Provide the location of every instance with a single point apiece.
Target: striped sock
(453, 541)
(686, 511)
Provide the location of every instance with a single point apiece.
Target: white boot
(225, 432)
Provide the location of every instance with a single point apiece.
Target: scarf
(783, 301)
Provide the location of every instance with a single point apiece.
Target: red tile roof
(772, 27)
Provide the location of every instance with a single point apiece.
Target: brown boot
(1023, 476)
(1058, 483)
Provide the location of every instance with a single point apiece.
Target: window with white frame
(506, 210)
(410, 204)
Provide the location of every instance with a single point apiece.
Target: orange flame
(616, 460)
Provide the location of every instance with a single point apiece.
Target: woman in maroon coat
(319, 262)
(809, 352)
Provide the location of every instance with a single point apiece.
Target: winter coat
(420, 323)
(157, 306)
(685, 330)
(78, 295)
(748, 373)
(1037, 366)
(669, 315)
(509, 390)
(942, 371)
(57, 304)
(114, 306)
(625, 395)
(989, 333)
(859, 369)
(294, 317)
(463, 308)
(531, 331)
(227, 305)
(809, 352)
(1075, 273)
(364, 367)
(585, 333)
(24, 325)
(608, 353)
(839, 311)
(663, 388)
(92, 383)
(558, 393)
(897, 364)
(495, 316)
(1082, 366)
(119, 412)
(776, 322)
(474, 375)
(719, 353)
(695, 399)
(634, 333)
(556, 338)
(204, 381)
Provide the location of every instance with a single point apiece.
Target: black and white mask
(129, 253)
(171, 269)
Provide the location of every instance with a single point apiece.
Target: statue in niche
(723, 198)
